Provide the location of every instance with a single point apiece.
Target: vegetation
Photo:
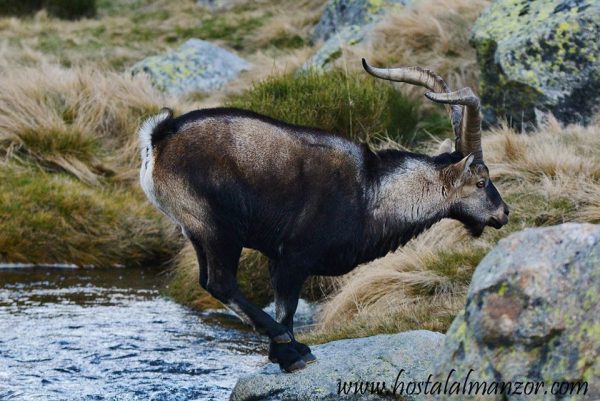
(352, 104)
(67, 196)
(55, 218)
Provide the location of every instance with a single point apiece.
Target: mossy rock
(342, 13)
(531, 315)
(539, 55)
(346, 23)
(196, 66)
(331, 50)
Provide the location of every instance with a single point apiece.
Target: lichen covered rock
(532, 314)
(342, 13)
(346, 23)
(196, 66)
(373, 359)
(542, 54)
(332, 48)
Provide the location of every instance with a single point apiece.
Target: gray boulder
(532, 315)
(196, 66)
(331, 50)
(346, 23)
(375, 359)
(342, 13)
(539, 55)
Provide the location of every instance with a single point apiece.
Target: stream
(109, 334)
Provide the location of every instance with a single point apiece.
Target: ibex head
(475, 201)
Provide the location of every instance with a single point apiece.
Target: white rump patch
(145, 141)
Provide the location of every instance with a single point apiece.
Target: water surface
(108, 334)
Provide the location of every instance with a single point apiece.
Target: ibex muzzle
(314, 203)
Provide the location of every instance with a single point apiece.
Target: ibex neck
(403, 202)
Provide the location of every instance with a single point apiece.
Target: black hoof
(286, 355)
(298, 365)
(309, 358)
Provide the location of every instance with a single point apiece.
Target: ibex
(314, 203)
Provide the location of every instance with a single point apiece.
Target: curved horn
(422, 77)
(470, 132)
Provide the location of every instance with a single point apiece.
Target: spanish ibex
(314, 203)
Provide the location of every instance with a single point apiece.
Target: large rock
(196, 66)
(543, 55)
(532, 314)
(331, 50)
(374, 359)
(346, 23)
(343, 13)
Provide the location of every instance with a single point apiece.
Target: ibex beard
(314, 203)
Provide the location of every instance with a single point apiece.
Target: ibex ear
(456, 174)
(445, 147)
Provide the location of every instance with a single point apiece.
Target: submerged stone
(539, 55)
(196, 66)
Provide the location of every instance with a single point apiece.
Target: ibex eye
(481, 184)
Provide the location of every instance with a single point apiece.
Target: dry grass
(73, 119)
(67, 195)
(548, 177)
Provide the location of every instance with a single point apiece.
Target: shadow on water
(108, 334)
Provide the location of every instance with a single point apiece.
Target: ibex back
(312, 202)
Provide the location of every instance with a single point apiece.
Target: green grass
(352, 105)
(234, 32)
(55, 218)
(287, 41)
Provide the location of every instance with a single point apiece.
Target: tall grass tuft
(69, 166)
(55, 218)
(74, 119)
(353, 105)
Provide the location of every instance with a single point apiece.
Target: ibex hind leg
(222, 263)
(287, 284)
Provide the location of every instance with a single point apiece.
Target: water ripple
(108, 335)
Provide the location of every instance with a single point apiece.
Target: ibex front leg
(223, 258)
(288, 279)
